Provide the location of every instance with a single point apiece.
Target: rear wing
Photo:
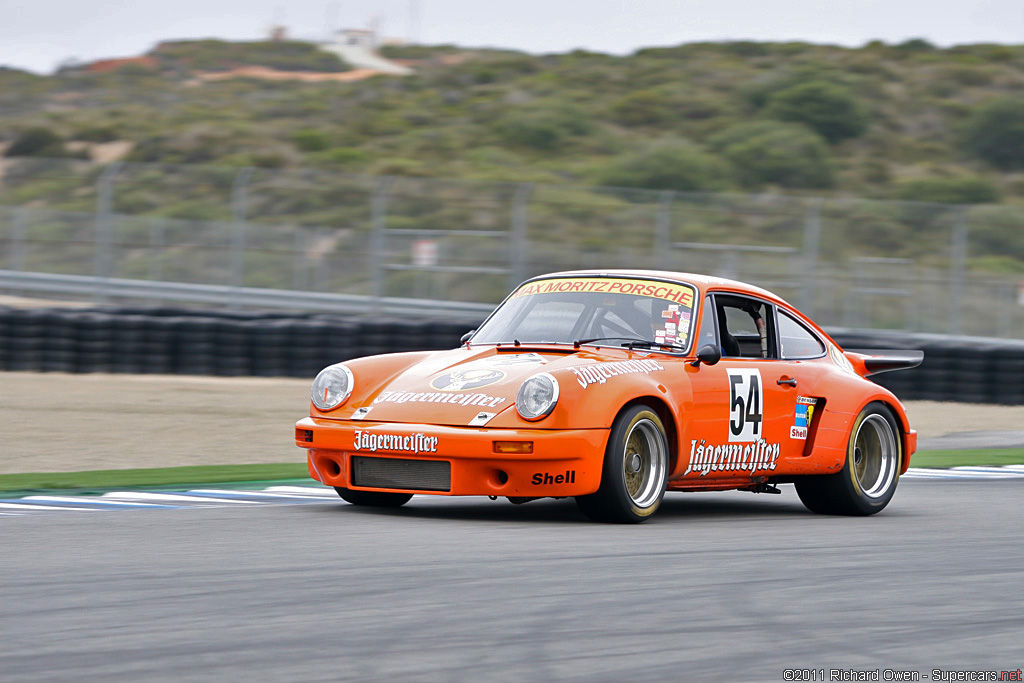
(869, 362)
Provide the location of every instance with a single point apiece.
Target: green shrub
(642, 108)
(97, 134)
(771, 153)
(344, 155)
(542, 128)
(962, 190)
(829, 109)
(673, 165)
(37, 142)
(914, 45)
(995, 133)
(311, 140)
(745, 48)
(221, 55)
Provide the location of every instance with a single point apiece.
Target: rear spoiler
(869, 362)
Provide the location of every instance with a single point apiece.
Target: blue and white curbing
(299, 495)
(140, 500)
(967, 472)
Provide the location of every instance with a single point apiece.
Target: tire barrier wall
(959, 369)
(200, 342)
(195, 342)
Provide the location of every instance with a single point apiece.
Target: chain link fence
(851, 263)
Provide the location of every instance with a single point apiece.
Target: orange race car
(613, 387)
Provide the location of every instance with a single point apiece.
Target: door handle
(791, 381)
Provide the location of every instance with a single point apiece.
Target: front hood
(460, 387)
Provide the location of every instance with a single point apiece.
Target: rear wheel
(635, 470)
(377, 499)
(867, 482)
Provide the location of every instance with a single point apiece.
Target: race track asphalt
(727, 586)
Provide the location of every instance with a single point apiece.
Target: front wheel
(635, 470)
(376, 499)
(867, 482)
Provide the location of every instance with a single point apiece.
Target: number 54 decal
(746, 405)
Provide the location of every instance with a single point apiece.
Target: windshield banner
(669, 291)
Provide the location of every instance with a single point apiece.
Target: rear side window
(797, 341)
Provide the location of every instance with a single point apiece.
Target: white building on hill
(359, 48)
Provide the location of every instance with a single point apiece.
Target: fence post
(662, 230)
(17, 239)
(812, 247)
(957, 270)
(239, 206)
(300, 269)
(517, 254)
(156, 250)
(379, 217)
(102, 258)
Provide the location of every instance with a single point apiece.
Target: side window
(797, 341)
(707, 325)
(746, 327)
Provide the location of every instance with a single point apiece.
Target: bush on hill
(995, 133)
(960, 190)
(771, 153)
(826, 108)
(37, 142)
(666, 165)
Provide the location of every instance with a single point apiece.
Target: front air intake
(399, 473)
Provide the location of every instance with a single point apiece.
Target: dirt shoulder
(53, 422)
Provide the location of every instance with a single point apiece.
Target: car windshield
(602, 310)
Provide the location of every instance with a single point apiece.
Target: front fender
(591, 400)
(371, 373)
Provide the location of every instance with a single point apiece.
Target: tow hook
(764, 487)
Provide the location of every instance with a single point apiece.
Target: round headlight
(537, 397)
(332, 387)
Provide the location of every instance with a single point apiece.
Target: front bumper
(562, 463)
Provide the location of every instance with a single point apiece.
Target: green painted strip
(944, 459)
(104, 480)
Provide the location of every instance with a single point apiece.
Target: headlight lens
(537, 397)
(332, 387)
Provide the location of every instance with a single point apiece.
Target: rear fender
(831, 433)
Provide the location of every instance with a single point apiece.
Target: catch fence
(853, 263)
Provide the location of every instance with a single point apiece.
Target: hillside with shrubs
(908, 121)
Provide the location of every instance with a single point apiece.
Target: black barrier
(164, 340)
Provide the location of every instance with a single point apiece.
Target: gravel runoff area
(53, 422)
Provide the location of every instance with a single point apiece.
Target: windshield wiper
(631, 342)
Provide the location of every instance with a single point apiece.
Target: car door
(744, 406)
(800, 354)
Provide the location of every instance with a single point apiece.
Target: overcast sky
(38, 35)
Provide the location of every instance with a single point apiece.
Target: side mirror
(465, 337)
(708, 354)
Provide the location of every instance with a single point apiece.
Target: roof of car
(704, 282)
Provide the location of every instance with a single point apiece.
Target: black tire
(376, 499)
(867, 482)
(635, 471)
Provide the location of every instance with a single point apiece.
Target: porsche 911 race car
(613, 388)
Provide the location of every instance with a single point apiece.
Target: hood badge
(361, 413)
(467, 378)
